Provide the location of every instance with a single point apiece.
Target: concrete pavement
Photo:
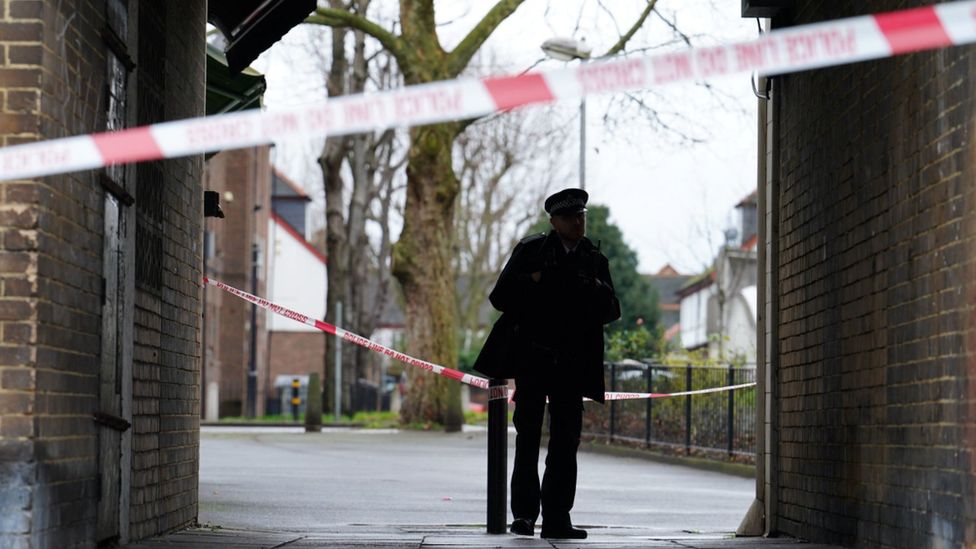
(448, 538)
(279, 487)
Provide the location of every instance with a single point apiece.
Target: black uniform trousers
(557, 491)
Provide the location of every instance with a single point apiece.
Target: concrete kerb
(736, 469)
(590, 445)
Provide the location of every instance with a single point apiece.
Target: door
(114, 411)
(109, 416)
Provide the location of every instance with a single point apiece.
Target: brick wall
(166, 400)
(296, 353)
(877, 248)
(52, 84)
(51, 263)
(243, 178)
(19, 122)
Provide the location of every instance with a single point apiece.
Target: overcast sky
(671, 198)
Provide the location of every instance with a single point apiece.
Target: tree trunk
(335, 249)
(330, 162)
(422, 264)
(357, 263)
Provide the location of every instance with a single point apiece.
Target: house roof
(283, 187)
(288, 228)
(667, 287)
(697, 282)
(750, 199)
(751, 243)
(667, 270)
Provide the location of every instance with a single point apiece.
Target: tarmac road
(285, 480)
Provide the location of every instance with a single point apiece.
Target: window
(150, 176)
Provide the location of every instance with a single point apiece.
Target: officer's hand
(586, 280)
(536, 276)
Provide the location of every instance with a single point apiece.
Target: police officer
(555, 294)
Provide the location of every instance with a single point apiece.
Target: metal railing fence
(719, 425)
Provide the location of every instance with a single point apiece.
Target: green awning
(227, 92)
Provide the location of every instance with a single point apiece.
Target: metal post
(497, 456)
(252, 367)
(650, 406)
(613, 403)
(688, 410)
(582, 156)
(731, 413)
(337, 401)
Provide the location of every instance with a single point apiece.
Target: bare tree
(359, 177)
(422, 259)
(506, 165)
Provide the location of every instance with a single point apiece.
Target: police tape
(614, 395)
(351, 337)
(793, 49)
(496, 392)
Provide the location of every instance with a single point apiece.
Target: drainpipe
(252, 361)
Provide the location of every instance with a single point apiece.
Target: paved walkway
(447, 538)
(275, 487)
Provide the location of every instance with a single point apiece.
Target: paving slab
(276, 479)
(200, 538)
(485, 540)
(469, 538)
(278, 487)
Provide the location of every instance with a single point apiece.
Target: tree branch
(622, 43)
(465, 50)
(674, 27)
(331, 17)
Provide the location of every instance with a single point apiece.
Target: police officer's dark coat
(582, 298)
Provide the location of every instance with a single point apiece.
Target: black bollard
(313, 404)
(497, 456)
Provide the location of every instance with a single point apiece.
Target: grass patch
(374, 420)
(275, 418)
(366, 420)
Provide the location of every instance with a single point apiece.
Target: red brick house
(235, 250)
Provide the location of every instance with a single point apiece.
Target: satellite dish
(731, 236)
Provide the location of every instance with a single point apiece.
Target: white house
(297, 276)
(718, 308)
(296, 280)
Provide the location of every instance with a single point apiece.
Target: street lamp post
(582, 153)
(567, 49)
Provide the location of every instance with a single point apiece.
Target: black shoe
(563, 532)
(523, 527)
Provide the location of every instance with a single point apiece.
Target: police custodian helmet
(567, 202)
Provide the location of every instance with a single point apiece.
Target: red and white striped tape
(494, 393)
(634, 396)
(349, 336)
(789, 50)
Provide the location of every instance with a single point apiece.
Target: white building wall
(742, 325)
(298, 279)
(694, 317)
